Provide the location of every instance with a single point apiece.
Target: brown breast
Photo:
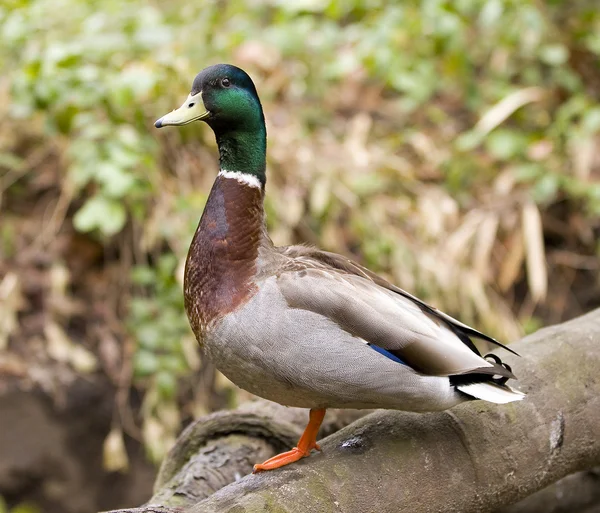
(222, 257)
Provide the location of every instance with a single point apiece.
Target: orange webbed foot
(285, 458)
(308, 442)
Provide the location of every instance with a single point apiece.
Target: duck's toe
(285, 458)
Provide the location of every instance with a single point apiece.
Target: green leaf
(149, 337)
(143, 275)
(554, 54)
(468, 141)
(104, 214)
(527, 172)
(117, 181)
(166, 265)
(546, 188)
(591, 120)
(505, 144)
(166, 383)
(141, 309)
(145, 363)
(491, 13)
(173, 363)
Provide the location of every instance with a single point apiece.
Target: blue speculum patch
(387, 354)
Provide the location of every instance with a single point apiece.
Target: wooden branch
(222, 447)
(579, 492)
(475, 457)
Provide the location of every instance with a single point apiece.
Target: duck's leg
(307, 442)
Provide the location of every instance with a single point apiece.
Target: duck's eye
(190, 105)
(225, 82)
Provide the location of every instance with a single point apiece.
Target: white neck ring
(245, 178)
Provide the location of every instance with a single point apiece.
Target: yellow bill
(192, 109)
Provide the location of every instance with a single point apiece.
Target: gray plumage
(304, 340)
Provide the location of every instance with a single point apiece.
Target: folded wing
(382, 315)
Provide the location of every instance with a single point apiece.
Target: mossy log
(220, 448)
(475, 457)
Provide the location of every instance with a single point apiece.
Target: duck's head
(224, 97)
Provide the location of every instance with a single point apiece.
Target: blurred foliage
(159, 325)
(432, 140)
(21, 508)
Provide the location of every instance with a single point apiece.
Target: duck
(300, 326)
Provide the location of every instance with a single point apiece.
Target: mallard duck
(305, 327)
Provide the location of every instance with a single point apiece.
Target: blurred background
(453, 146)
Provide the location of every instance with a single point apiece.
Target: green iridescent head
(224, 97)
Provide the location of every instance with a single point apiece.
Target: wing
(381, 314)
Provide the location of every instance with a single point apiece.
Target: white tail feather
(492, 392)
